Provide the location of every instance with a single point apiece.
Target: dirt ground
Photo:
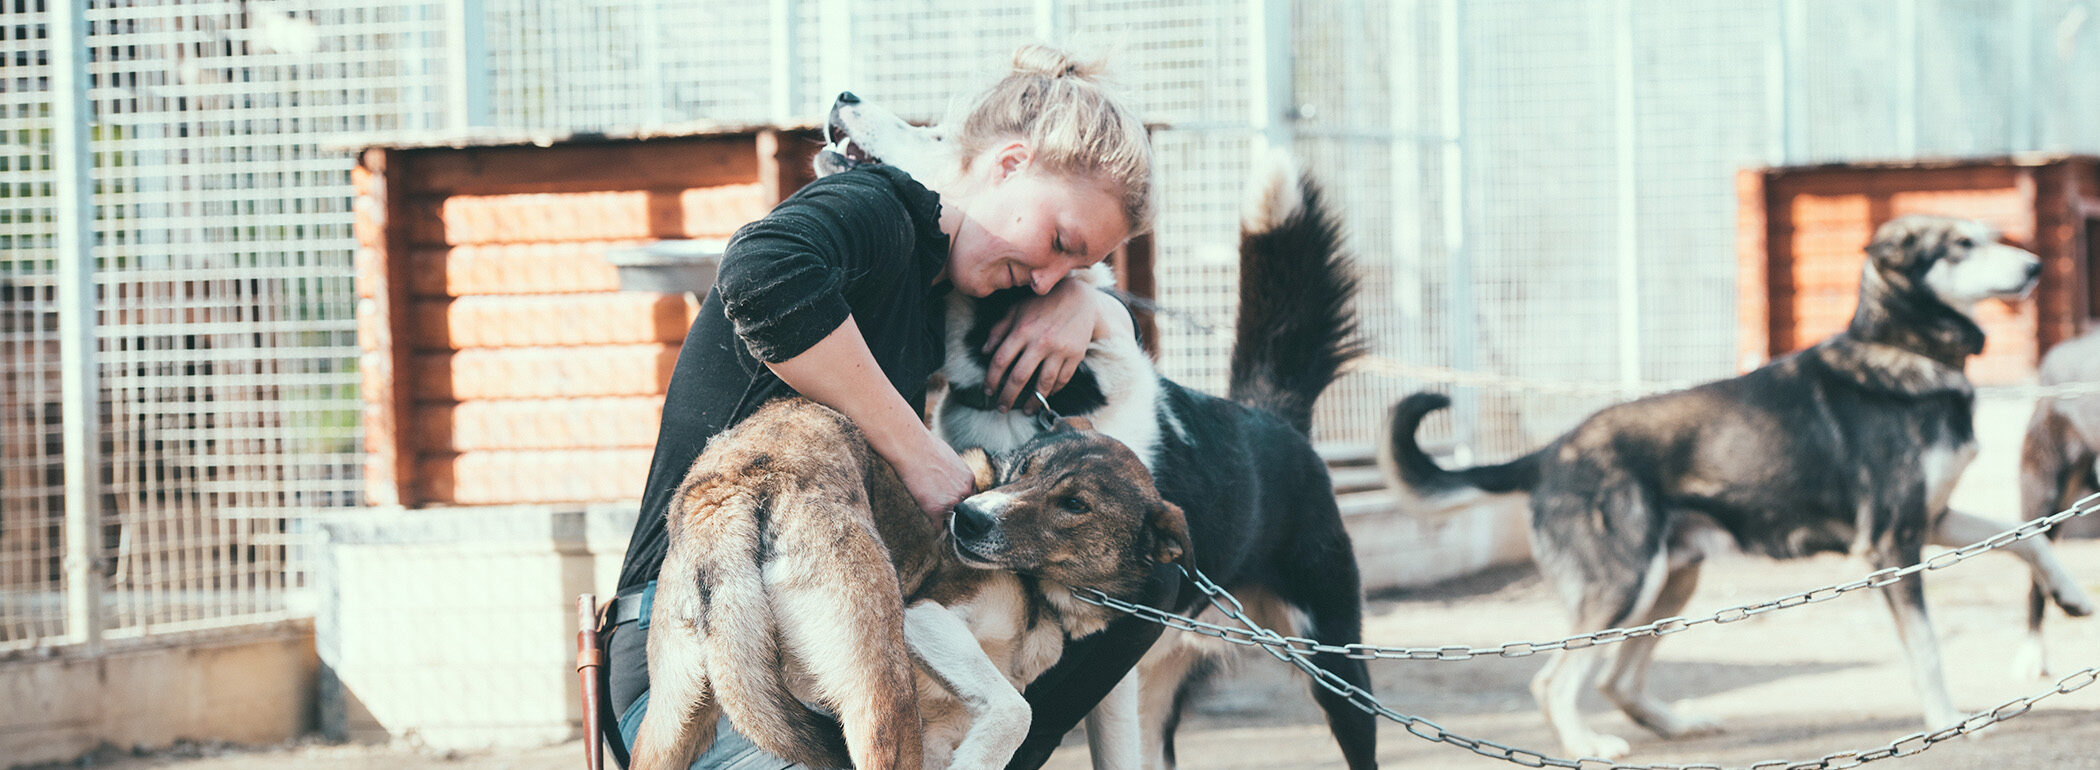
(1793, 685)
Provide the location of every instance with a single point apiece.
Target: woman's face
(1018, 226)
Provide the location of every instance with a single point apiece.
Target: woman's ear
(1012, 158)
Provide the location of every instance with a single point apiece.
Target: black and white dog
(1852, 445)
(1260, 506)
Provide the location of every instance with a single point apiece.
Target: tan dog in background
(801, 572)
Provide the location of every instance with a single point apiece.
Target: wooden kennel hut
(1803, 230)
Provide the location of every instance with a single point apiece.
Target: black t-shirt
(865, 242)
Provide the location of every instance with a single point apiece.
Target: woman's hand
(937, 479)
(1046, 337)
(839, 372)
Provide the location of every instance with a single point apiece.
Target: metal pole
(1046, 20)
(2025, 120)
(1629, 262)
(1907, 80)
(836, 65)
(1782, 79)
(466, 58)
(786, 65)
(1465, 410)
(1273, 99)
(79, 382)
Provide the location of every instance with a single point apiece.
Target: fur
(1852, 445)
(2058, 459)
(1260, 504)
(800, 571)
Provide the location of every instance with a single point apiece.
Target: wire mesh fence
(225, 315)
(1535, 188)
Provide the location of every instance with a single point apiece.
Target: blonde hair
(1075, 125)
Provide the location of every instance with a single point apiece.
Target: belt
(632, 606)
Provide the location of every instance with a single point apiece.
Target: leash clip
(1045, 418)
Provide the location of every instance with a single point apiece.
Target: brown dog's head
(1075, 507)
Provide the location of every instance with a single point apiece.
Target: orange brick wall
(1804, 247)
(504, 365)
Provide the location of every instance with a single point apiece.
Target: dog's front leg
(950, 654)
(1906, 600)
(1112, 728)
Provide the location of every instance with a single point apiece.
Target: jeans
(730, 751)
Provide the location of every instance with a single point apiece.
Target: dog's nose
(971, 522)
(847, 97)
(2034, 269)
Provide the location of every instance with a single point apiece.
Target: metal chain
(1430, 731)
(1664, 627)
(1461, 377)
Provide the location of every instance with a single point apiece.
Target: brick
(520, 268)
(530, 217)
(716, 212)
(552, 320)
(501, 478)
(1818, 212)
(603, 370)
(579, 423)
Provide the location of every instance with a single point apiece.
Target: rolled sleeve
(784, 277)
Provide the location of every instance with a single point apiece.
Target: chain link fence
(1538, 189)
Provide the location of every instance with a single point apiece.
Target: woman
(837, 295)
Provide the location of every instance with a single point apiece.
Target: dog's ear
(1075, 424)
(980, 464)
(1170, 532)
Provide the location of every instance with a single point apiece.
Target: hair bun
(1038, 59)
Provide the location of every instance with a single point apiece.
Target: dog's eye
(1965, 243)
(1072, 504)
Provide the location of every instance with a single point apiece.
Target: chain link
(1664, 627)
(1443, 374)
(1280, 647)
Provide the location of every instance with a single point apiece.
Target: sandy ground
(1793, 685)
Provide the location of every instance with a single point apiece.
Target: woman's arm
(1046, 337)
(840, 372)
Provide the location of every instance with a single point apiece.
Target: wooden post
(382, 310)
(1134, 274)
(1753, 286)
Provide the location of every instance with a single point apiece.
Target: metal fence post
(1465, 408)
(785, 69)
(79, 383)
(1274, 100)
(1628, 225)
(467, 59)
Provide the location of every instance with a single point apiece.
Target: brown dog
(795, 553)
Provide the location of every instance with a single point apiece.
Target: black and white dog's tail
(1297, 327)
(1430, 488)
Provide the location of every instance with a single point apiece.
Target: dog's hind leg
(1627, 683)
(682, 711)
(1595, 546)
(842, 615)
(1321, 581)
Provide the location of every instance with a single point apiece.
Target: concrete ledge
(454, 627)
(1397, 549)
(251, 685)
